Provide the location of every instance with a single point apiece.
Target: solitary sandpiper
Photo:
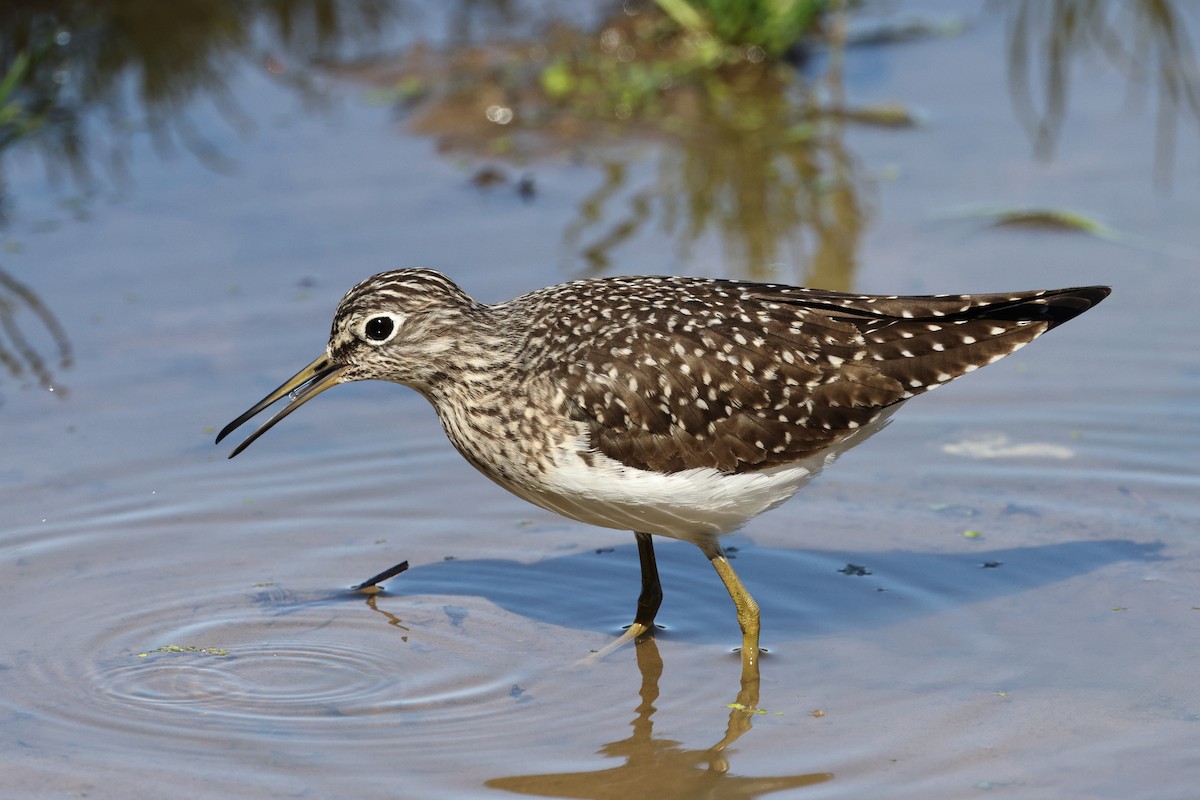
(678, 407)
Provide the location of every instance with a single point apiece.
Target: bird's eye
(378, 329)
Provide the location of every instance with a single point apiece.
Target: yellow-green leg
(747, 609)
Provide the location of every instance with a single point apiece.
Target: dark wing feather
(752, 376)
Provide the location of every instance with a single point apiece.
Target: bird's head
(402, 326)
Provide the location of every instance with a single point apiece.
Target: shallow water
(177, 620)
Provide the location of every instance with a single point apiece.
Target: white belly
(695, 505)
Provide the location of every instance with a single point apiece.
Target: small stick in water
(371, 585)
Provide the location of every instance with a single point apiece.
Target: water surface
(174, 619)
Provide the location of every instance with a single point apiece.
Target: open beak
(305, 384)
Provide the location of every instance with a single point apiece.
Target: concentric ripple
(271, 679)
(320, 666)
(205, 651)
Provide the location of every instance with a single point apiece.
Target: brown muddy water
(997, 596)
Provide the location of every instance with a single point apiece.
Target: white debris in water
(1000, 446)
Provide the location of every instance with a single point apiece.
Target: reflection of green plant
(748, 152)
(750, 160)
(749, 157)
(771, 25)
(15, 121)
(19, 353)
(1148, 40)
(80, 76)
(1065, 220)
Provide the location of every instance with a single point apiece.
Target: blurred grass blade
(684, 14)
(1058, 219)
(15, 72)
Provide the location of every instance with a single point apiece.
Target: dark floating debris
(372, 584)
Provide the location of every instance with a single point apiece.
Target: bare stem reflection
(20, 354)
(1148, 40)
(662, 768)
(78, 79)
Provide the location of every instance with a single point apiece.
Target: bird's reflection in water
(661, 768)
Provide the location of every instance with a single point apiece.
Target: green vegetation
(634, 60)
(15, 121)
(773, 26)
(185, 648)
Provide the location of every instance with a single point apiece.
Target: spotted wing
(785, 373)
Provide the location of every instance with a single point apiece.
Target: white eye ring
(379, 329)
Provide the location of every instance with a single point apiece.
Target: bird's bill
(306, 384)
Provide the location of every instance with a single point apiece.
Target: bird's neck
(467, 361)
